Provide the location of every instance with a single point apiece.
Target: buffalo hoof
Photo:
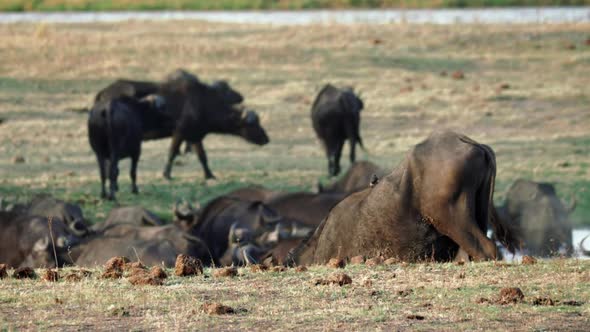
(134, 190)
(167, 176)
(210, 177)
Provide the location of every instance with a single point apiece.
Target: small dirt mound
(258, 268)
(225, 272)
(116, 263)
(301, 268)
(3, 273)
(336, 263)
(278, 268)
(112, 274)
(50, 275)
(158, 272)
(391, 261)
(187, 266)
(145, 279)
(24, 273)
(415, 317)
(217, 309)
(545, 301)
(510, 295)
(357, 260)
(134, 265)
(528, 260)
(18, 160)
(374, 261)
(338, 278)
(458, 75)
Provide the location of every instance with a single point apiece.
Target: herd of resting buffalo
(437, 204)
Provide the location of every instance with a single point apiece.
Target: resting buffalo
(541, 217)
(437, 199)
(47, 206)
(115, 131)
(26, 241)
(133, 215)
(336, 116)
(196, 110)
(357, 178)
(151, 245)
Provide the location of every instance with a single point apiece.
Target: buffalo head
(41, 242)
(250, 128)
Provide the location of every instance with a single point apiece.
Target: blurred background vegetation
(106, 5)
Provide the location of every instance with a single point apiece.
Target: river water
(378, 16)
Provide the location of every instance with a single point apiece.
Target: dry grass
(448, 296)
(539, 126)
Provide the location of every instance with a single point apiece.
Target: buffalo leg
(102, 169)
(113, 175)
(338, 155)
(200, 151)
(133, 173)
(174, 151)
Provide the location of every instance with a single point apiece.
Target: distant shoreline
(520, 15)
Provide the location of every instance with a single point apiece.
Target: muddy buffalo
(357, 178)
(437, 200)
(541, 217)
(336, 117)
(27, 240)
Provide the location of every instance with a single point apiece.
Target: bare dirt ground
(525, 92)
(423, 297)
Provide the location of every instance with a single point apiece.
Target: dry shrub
(217, 309)
(225, 272)
(50, 275)
(338, 278)
(357, 260)
(187, 266)
(336, 263)
(529, 260)
(510, 295)
(3, 273)
(24, 273)
(158, 272)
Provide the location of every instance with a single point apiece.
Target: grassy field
(84, 5)
(525, 92)
(415, 297)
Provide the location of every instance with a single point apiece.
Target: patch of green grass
(420, 64)
(18, 86)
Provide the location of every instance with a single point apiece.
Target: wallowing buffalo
(336, 117)
(357, 178)
(541, 217)
(437, 200)
(115, 131)
(26, 240)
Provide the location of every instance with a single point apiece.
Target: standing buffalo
(439, 199)
(115, 130)
(196, 109)
(541, 217)
(357, 178)
(336, 116)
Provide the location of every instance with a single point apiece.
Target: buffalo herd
(437, 203)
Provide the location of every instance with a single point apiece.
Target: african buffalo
(439, 198)
(26, 240)
(541, 217)
(357, 178)
(196, 110)
(152, 245)
(308, 208)
(48, 206)
(336, 116)
(115, 131)
(133, 215)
